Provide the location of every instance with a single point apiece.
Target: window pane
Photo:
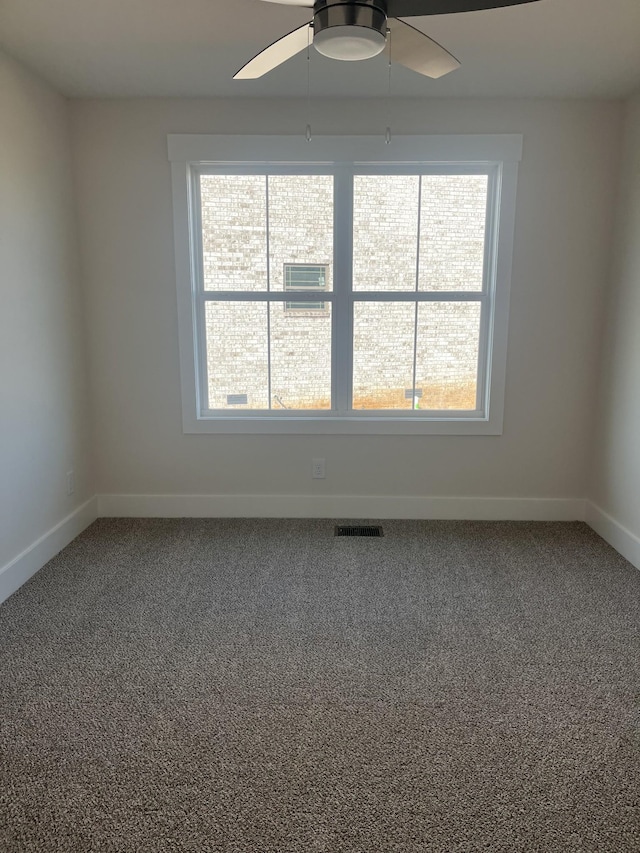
(383, 335)
(234, 232)
(385, 232)
(452, 232)
(237, 361)
(447, 354)
(300, 356)
(300, 227)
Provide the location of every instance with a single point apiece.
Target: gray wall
(44, 415)
(563, 231)
(616, 482)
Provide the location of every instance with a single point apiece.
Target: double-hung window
(320, 292)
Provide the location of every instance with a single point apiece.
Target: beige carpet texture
(262, 686)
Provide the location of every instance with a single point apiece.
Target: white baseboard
(618, 536)
(33, 558)
(344, 506)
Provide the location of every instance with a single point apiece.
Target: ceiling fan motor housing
(350, 29)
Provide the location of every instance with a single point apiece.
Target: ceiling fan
(358, 29)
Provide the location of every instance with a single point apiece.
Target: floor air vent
(358, 531)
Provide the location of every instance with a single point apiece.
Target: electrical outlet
(71, 482)
(317, 469)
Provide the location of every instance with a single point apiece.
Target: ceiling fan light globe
(349, 43)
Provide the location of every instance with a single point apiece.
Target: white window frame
(497, 156)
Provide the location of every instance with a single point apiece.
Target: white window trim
(500, 153)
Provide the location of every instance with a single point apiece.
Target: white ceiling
(551, 48)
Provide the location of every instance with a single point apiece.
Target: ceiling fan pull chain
(387, 135)
(308, 130)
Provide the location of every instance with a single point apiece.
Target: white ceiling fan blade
(276, 53)
(415, 50)
(307, 3)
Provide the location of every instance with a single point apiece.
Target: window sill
(358, 426)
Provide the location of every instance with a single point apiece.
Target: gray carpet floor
(263, 687)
